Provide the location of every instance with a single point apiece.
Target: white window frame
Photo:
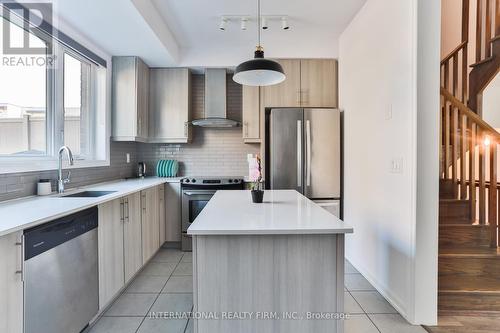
(99, 91)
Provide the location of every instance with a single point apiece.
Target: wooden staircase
(469, 268)
(469, 256)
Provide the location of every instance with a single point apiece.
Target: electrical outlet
(397, 165)
(128, 157)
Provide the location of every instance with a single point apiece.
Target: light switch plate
(397, 165)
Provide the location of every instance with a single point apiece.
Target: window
(23, 101)
(49, 100)
(77, 129)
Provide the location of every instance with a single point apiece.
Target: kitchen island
(272, 267)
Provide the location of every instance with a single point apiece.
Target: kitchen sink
(87, 194)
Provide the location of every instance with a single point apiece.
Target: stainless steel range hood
(215, 101)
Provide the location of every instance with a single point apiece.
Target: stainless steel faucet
(60, 180)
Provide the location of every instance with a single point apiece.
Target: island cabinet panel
(169, 105)
(11, 284)
(161, 213)
(132, 230)
(110, 250)
(130, 98)
(283, 274)
(150, 223)
(318, 83)
(287, 93)
(173, 212)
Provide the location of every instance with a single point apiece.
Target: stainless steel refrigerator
(305, 154)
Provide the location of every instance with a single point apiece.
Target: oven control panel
(202, 181)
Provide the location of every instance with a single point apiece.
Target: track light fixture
(244, 21)
(259, 71)
(265, 21)
(223, 23)
(284, 23)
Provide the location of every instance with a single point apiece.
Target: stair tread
(469, 292)
(454, 221)
(462, 225)
(471, 252)
(446, 200)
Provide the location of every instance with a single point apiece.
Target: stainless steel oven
(196, 192)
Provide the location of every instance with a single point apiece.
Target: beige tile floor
(165, 285)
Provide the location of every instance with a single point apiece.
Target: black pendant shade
(259, 71)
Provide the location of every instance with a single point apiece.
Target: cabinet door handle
(21, 266)
(186, 130)
(122, 210)
(299, 153)
(127, 210)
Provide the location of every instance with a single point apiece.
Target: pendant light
(259, 71)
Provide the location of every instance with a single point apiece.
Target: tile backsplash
(16, 185)
(213, 152)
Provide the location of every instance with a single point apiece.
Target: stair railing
(486, 50)
(454, 67)
(469, 159)
(487, 27)
(454, 72)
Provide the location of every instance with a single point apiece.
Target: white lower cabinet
(11, 284)
(129, 234)
(173, 209)
(161, 213)
(150, 223)
(111, 250)
(132, 229)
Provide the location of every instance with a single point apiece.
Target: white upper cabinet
(130, 99)
(169, 105)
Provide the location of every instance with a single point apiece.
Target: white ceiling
(117, 27)
(314, 28)
(186, 33)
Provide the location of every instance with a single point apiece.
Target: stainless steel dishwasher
(61, 287)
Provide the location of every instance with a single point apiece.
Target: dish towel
(167, 168)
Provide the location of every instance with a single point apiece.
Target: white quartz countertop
(282, 212)
(28, 212)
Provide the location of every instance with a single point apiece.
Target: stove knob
(186, 180)
(236, 181)
(230, 180)
(193, 180)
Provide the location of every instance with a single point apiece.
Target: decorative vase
(257, 196)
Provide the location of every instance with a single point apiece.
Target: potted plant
(256, 177)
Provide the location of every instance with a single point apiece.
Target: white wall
(428, 131)
(451, 25)
(378, 92)
(491, 103)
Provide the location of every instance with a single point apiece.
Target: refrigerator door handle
(299, 153)
(308, 152)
